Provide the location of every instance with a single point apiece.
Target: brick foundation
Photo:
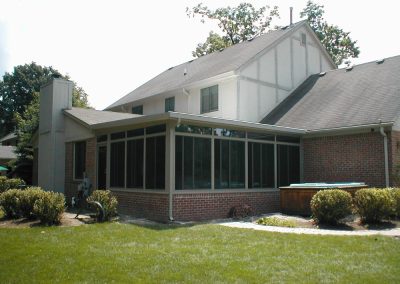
(394, 157)
(358, 158)
(206, 206)
(152, 206)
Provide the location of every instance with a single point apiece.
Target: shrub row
(372, 204)
(33, 203)
(6, 183)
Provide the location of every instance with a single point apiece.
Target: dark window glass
(288, 139)
(155, 162)
(288, 165)
(170, 104)
(135, 132)
(229, 164)
(117, 164)
(209, 99)
(194, 129)
(118, 135)
(155, 129)
(192, 163)
(261, 165)
(229, 133)
(102, 138)
(79, 159)
(137, 109)
(134, 163)
(260, 136)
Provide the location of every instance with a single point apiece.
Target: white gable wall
(272, 76)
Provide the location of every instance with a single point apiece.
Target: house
(227, 129)
(7, 148)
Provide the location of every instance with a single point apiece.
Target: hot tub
(295, 199)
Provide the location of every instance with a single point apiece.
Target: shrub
(274, 221)
(374, 205)
(49, 207)
(329, 206)
(13, 183)
(107, 200)
(27, 199)
(241, 211)
(9, 201)
(396, 199)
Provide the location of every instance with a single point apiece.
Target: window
(229, 164)
(288, 165)
(134, 163)
(79, 159)
(303, 39)
(155, 162)
(192, 163)
(261, 165)
(209, 99)
(137, 109)
(170, 104)
(117, 164)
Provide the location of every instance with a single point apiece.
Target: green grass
(274, 221)
(201, 254)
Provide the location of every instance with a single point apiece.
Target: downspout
(385, 145)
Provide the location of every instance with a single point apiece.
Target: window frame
(209, 96)
(75, 178)
(137, 107)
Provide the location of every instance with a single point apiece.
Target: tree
(238, 24)
(336, 41)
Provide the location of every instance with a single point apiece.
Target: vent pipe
(291, 16)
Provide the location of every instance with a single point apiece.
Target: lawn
(202, 253)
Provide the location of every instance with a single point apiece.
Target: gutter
(385, 148)
(349, 128)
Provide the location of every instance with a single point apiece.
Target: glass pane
(117, 164)
(221, 162)
(135, 132)
(118, 135)
(288, 139)
(267, 166)
(134, 177)
(237, 164)
(214, 98)
(229, 133)
(137, 109)
(188, 162)
(205, 101)
(193, 129)
(178, 162)
(261, 136)
(155, 162)
(202, 163)
(79, 159)
(102, 138)
(170, 104)
(155, 129)
(288, 165)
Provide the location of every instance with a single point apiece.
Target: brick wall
(140, 204)
(394, 158)
(71, 185)
(358, 158)
(206, 206)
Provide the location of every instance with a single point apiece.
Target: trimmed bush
(241, 211)
(373, 204)
(396, 199)
(274, 221)
(107, 200)
(49, 207)
(27, 199)
(13, 183)
(329, 206)
(9, 201)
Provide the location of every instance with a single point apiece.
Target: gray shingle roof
(368, 93)
(7, 152)
(9, 136)
(205, 67)
(92, 117)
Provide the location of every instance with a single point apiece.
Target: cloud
(3, 49)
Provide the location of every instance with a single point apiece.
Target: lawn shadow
(384, 225)
(337, 227)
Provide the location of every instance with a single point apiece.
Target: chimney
(291, 16)
(55, 96)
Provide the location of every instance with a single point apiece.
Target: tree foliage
(238, 24)
(336, 41)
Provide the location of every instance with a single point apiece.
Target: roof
(366, 94)
(91, 117)
(9, 136)
(7, 152)
(207, 66)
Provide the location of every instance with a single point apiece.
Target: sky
(109, 48)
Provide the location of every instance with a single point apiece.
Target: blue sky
(111, 47)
